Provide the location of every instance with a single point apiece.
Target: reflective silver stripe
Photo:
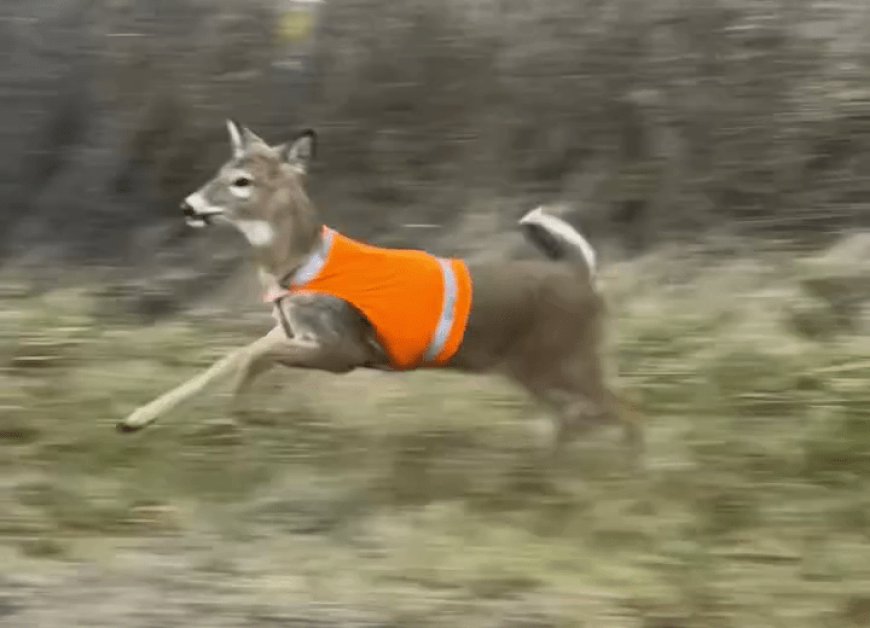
(313, 265)
(448, 313)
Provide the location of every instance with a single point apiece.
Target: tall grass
(424, 499)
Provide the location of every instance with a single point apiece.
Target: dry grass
(422, 500)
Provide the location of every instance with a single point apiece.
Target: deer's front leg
(245, 362)
(328, 354)
(327, 335)
(255, 363)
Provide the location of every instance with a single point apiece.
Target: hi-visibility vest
(417, 303)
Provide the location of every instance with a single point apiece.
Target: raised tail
(558, 240)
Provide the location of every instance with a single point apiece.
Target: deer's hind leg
(575, 392)
(588, 405)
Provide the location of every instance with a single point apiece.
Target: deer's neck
(284, 243)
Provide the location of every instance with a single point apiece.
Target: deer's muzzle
(192, 217)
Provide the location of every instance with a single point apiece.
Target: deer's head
(259, 190)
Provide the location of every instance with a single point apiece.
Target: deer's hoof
(125, 428)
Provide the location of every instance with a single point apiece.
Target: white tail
(558, 239)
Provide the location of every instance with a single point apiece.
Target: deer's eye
(241, 182)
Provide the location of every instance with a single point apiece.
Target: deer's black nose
(186, 209)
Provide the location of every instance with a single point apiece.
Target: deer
(340, 304)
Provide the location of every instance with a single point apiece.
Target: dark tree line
(652, 119)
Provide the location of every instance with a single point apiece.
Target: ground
(424, 500)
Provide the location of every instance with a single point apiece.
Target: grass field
(423, 500)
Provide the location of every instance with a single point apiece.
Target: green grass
(425, 497)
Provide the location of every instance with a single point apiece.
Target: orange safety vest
(418, 304)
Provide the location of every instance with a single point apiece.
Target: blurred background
(716, 151)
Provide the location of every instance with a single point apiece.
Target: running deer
(340, 304)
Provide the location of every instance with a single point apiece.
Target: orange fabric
(401, 292)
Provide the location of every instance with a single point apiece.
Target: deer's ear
(299, 152)
(237, 137)
(241, 137)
